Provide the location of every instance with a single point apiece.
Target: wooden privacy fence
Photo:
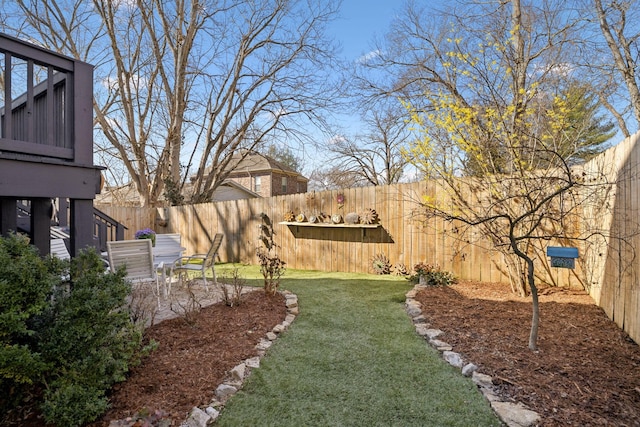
(403, 233)
(612, 224)
(608, 265)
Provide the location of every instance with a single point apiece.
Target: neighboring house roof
(127, 195)
(124, 195)
(253, 163)
(231, 190)
(257, 162)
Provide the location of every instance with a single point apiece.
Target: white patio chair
(168, 248)
(198, 262)
(168, 245)
(137, 257)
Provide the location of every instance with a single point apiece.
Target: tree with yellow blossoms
(503, 127)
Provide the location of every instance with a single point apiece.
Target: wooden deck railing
(105, 228)
(41, 102)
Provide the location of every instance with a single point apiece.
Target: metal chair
(198, 262)
(137, 257)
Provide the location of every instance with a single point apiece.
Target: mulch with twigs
(586, 371)
(193, 357)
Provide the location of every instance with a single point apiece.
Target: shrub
(441, 278)
(89, 337)
(25, 287)
(432, 275)
(231, 288)
(142, 304)
(70, 340)
(71, 404)
(272, 269)
(188, 308)
(271, 266)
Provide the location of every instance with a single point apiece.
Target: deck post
(63, 212)
(83, 114)
(81, 225)
(41, 224)
(8, 215)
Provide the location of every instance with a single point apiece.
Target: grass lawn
(352, 358)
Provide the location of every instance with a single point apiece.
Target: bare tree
(183, 85)
(613, 62)
(331, 178)
(273, 82)
(286, 157)
(374, 157)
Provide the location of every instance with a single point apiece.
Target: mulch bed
(586, 371)
(192, 360)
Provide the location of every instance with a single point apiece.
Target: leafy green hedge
(65, 333)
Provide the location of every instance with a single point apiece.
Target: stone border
(512, 414)
(208, 414)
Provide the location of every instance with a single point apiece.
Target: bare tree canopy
(610, 49)
(372, 157)
(180, 86)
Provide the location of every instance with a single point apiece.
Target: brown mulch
(586, 371)
(192, 360)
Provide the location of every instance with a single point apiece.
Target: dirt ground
(585, 373)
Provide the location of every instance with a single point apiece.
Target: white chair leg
(169, 281)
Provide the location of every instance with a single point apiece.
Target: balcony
(46, 139)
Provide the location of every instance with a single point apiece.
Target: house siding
(271, 183)
(301, 186)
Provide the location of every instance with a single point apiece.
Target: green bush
(69, 404)
(432, 275)
(25, 284)
(441, 278)
(76, 342)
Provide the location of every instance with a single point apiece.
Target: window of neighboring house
(284, 185)
(257, 184)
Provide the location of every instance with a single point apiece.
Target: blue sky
(360, 21)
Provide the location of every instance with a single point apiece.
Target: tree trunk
(535, 318)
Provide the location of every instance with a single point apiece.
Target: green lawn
(352, 358)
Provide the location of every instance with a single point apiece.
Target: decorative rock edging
(207, 415)
(512, 414)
